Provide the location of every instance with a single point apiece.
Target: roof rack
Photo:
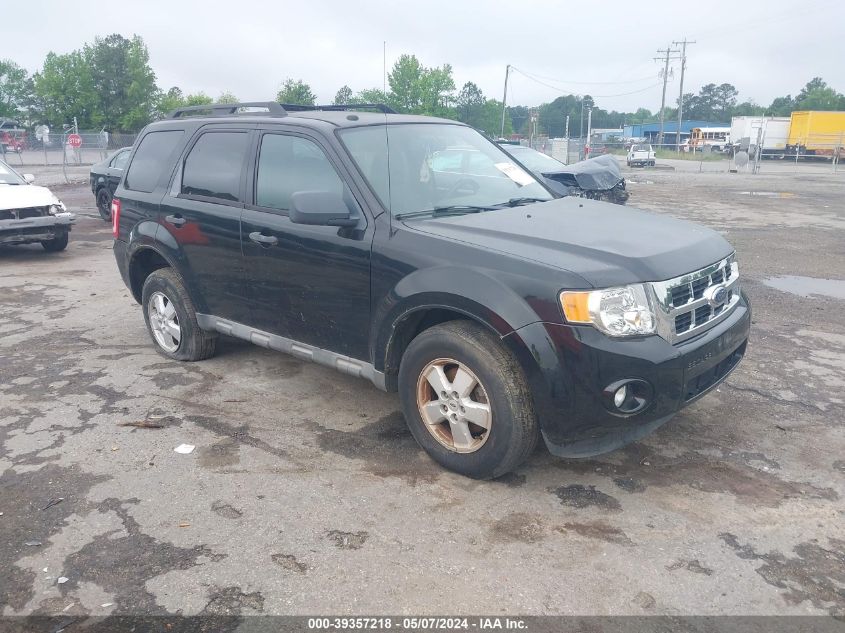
(343, 107)
(228, 109)
(272, 109)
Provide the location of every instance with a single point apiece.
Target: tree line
(109, 84)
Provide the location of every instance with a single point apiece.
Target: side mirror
(322, 208)
(29, 178)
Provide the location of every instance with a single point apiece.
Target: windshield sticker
(513, 172)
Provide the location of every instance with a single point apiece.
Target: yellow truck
(817, 133)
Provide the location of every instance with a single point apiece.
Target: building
(651, 131)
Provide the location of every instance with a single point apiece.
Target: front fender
(470, 292)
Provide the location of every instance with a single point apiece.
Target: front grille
(691, 304)
(22, 214)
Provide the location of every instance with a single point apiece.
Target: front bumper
(568, 368)
(36, 229)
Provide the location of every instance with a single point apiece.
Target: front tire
(172, 319)
(104, 203)
(58, 243)
(466, 400)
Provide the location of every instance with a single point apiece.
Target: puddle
(808, 286)
(640, 182)
(768, 194)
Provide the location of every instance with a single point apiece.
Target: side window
(287, 164)
(150, 160)
(214, 165)
(119, 161)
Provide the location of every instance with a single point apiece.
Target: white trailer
(772, 131)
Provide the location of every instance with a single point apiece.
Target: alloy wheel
(164, 322)
(454, 405)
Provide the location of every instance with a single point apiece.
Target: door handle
(264, 240)
(175, 220)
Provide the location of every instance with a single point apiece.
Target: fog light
(620, 396)
(627, 396)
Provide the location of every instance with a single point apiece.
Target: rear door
(201, 215)
(310, 283)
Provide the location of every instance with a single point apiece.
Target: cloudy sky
(604, 48)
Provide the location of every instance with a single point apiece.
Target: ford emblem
(716, 296)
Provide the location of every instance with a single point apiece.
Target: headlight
(59, 207)
(624, 311)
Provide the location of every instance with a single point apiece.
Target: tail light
(115, 217)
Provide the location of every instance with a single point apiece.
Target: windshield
(642, 148)
(534, 160)
(422, 167)
(9, 176)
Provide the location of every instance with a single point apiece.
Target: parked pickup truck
(499, 313)
(640, 154)
(31, 214)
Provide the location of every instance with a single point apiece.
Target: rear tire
(172, 319)
(104, 203)
(467, 360)
(58, 243)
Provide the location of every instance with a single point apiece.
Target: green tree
(343, 96)
(371, 95)
(420, 90)
(16, 90)
(470, 103)
(65, 89)
(123, 80)
(781, 106)
(227, 97)
(296, 91)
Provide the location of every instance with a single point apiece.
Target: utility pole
(681, 92)
(581, 120)
(667, 56)
(589, 132)
(505, 100)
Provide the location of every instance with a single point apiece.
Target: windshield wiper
(516, 202)
(454, 209)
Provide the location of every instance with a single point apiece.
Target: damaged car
(30, 214)
(596, 178)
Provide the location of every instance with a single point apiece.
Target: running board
(341, 363)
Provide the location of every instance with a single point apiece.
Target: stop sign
(74, 140)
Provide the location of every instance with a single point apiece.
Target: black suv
(497, 312)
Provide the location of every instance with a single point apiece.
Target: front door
(309, 283)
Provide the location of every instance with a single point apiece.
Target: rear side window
(214, 166)
(287, 164)
(151, 158)
(119, 161)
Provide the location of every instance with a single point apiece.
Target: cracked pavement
(306, 494)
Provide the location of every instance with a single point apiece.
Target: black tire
(195, 343)
(58, 243)
(104, 203)
(513, 430)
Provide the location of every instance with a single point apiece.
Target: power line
(586, 83)
(566, 92)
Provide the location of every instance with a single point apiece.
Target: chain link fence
(818, 154)
(24, 147)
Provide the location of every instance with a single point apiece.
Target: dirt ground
(306, 494)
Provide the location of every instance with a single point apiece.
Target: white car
(641, 154)
(29, 213)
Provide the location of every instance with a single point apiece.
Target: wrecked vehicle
(413, 252)
(596, 178)
(30, 214)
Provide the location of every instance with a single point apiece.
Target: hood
(606, 244)
(22, 196)
(594, 174)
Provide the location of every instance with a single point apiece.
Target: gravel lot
(306, 493)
